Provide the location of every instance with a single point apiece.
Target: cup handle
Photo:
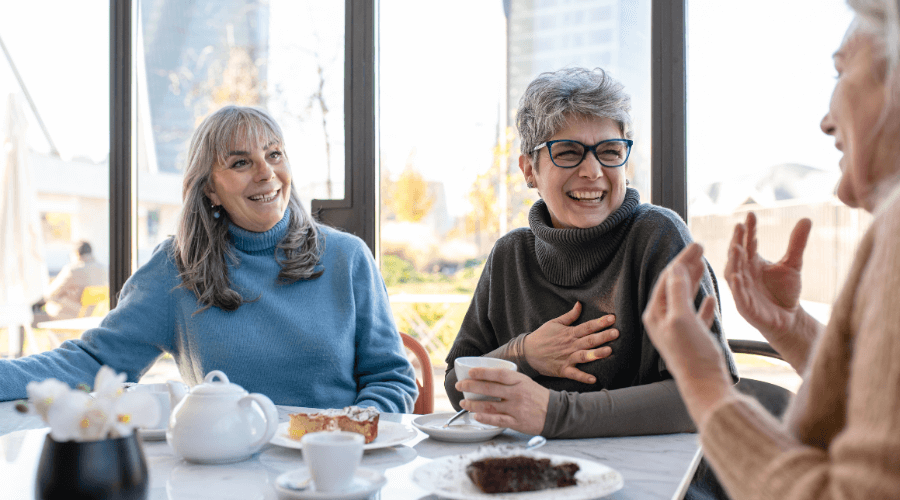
(270, 412)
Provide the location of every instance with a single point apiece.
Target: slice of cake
(352, 419)
(519, 473)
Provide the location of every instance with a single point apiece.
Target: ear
(527, 168)
(210, 192)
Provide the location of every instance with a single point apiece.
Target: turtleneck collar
(250, 241)
(569, 257)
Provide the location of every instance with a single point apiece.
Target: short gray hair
(553, 96)
(202, 249)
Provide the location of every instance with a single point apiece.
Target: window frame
(357, 212)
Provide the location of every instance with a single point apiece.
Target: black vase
(111, 469)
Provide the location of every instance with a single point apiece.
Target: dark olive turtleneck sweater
(537, 274)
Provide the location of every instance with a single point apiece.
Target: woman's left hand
(682, 335)
(523, 404)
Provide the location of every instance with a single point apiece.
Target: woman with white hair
(840, 437)
(250, 285)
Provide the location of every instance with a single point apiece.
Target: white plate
(389, 434)
(446, 477)
(365, 483)
(152, 434)
(465, 429)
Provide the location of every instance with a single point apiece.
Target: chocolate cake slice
(518, 473)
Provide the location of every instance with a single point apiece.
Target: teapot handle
(270, 412)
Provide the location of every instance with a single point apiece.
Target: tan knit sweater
(841, 436)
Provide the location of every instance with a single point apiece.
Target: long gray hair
(202, 249)
(551, 97)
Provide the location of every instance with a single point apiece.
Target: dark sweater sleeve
(654, 408)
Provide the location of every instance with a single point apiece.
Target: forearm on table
(655, 408)
(511, 351)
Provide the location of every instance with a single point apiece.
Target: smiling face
(252, 185)
(853, 119)
(582, 196)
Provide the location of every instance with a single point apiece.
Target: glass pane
(54, 178)
(285, 56)
(745, 90)
(450, 182)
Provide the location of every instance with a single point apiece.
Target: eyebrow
(245, 153)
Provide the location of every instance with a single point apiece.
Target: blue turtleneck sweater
(323, 343)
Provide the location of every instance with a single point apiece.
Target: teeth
(587, 195)
(265, 197)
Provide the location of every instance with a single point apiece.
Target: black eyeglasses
(610, 153)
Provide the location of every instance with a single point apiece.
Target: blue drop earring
(216, 213)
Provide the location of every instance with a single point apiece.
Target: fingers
(569, 317)
(750, 239)
(498, 375)
(707, 311)
(797, 244)
(570, 372)
(678, 286)
(597, 339)
(585, 329)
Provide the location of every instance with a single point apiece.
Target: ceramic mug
(332, 458)
(462, 366)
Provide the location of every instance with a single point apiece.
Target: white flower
(134, 410)
(107, 384)
(44, 394)
(74, 416)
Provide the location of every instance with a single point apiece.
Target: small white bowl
(464, 364)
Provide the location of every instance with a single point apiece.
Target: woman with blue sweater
(250, 285)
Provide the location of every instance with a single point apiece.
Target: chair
(774, 398)
(425, 402)
(94, 301)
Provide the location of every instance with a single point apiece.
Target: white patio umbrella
(23, 272)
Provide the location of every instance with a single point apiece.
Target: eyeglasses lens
(567, 154)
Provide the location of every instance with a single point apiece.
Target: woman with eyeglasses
(250, 285)
(563, 298)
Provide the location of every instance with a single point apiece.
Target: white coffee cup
(332, 458)
(462, 366)
(160, 393)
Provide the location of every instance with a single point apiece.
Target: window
(59, 179)
(742, 108)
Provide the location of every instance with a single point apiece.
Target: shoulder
(514, 241)
(335, 240)
(648, 217)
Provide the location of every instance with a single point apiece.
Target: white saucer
(365, 483)
(152, 434)
(464, 430)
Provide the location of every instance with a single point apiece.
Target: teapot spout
(177, 391)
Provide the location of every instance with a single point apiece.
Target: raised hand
(555, 348)
(523, 402)
(766, 294)
(682, 336)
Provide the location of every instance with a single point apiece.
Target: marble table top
(654, 467)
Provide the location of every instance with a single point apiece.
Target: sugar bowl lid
(222, 387)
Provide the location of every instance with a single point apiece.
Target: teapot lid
(220, 388)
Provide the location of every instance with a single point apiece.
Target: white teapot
(217, 422)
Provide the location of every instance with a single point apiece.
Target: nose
(590, 168)
(264, 171)
(827, 124)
